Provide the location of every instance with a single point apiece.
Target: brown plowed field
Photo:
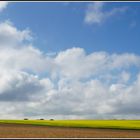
(31, 131)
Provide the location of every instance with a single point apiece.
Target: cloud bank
(69, 85)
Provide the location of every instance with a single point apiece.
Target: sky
(69, 60)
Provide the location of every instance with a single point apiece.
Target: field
(113, 124)
(70, 128)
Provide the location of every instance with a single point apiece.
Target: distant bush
(51, 119)
(25, 118)
(41, 119)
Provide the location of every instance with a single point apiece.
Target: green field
(113, 124)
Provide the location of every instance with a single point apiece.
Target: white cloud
(25, 58)
(17, 53)
(18, 86)
(96, 14)
(10, 36)
(3, 5)
(75, 63)
(125, 76)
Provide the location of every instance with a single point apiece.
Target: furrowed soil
(32, 131)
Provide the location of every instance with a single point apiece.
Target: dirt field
(30, 131)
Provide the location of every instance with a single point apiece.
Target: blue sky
(58, 26)
(70, 60)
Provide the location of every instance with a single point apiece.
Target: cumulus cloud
(69, 84)
(75, 63)
(25, 58)
(14, 36)
(20, 86)
(96, 14)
